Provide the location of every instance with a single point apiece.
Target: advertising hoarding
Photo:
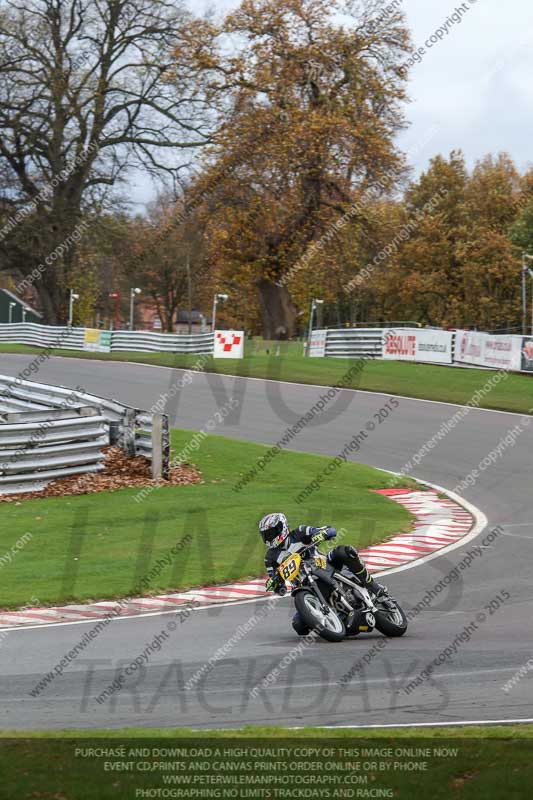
(418, 344)
(317, 344)
(96, 341)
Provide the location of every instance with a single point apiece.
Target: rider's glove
(322, 534)
(271, 585)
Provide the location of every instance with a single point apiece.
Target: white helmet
(274, 529)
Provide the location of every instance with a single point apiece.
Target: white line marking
(517, 525)
(462, 723)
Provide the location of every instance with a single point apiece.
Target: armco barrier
(47, 336)
(47, 432)
(229, 343)
(355, 343)
(42, 335)
(36, 451)
(148, 342)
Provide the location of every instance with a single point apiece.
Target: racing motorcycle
(333, 604)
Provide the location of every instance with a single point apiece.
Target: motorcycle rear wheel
(391, 622)
(328, 626)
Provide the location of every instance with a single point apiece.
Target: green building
(12, 307)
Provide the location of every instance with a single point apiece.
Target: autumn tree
(83, 98)
(490, 269)
(166, 259)
(314, 101)
(458, 267)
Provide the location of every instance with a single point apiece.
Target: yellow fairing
(290, 567)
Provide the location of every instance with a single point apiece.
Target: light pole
(133, 292)
(216, 298)
(530, 271)
(189, 290)
(314, 304)
(11, 307)
(525, 257)
(73, 297)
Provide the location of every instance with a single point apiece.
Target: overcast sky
(472, 90)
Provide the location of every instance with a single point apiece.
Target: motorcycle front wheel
(328, 625)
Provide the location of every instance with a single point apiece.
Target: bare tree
(85, 96)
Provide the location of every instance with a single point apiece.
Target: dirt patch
(120, 472)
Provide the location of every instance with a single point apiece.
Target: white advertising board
(503, 352)
(469, 347)
(485, 350)
(317, 345)
(418, 344)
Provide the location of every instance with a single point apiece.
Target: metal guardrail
(37, 335)
(354, 343)
(148, 342)
(48, 336)
(35, 452)
(19, 393)
(47, 432)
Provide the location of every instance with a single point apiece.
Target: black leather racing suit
(339, 557)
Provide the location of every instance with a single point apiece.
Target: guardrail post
(127, 442)
(157, 446)
(166, 447)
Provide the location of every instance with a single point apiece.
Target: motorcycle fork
(318, 593)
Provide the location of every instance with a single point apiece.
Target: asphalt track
(306, 691)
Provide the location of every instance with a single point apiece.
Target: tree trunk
(47, 303)
(277, 311)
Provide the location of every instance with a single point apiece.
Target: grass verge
(489, 763)
(452, 385)
(271, 732)
(99, 546)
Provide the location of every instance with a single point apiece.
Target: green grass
(272, 732)
(430, 382)
(99, 546)
(469, 764)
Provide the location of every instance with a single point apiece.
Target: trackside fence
(426, 345)
(220, 344)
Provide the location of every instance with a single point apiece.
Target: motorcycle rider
(275, 533)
